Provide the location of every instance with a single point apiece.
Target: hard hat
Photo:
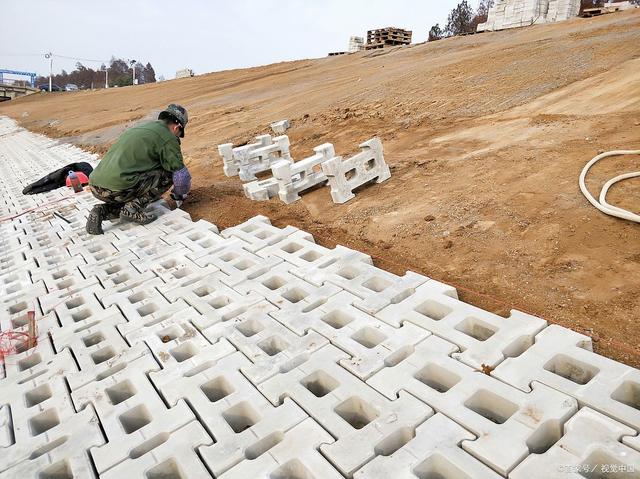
(175, 112)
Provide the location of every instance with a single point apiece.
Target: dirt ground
(486, 136)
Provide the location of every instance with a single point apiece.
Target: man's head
(176, 118)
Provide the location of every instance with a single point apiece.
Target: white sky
(203, 35)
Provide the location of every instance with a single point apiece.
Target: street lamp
(106, 77)
(50, 57)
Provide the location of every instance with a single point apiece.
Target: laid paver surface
(177, 350)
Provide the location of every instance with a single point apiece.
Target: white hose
(602, 205)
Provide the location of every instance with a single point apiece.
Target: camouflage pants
(150, 187)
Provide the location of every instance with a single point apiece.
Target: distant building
(521, 13)
(184, 73)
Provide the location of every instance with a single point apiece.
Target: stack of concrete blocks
(253, 158)
(345, 176)
(291, 178)
(612, 7)
(174, 350)
(519, 13)
(356, 44)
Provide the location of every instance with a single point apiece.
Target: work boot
(111, 212)
(136, 215)
(94, 221)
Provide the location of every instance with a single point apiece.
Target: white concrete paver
(178, 350)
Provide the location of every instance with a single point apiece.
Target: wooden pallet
(391, 36)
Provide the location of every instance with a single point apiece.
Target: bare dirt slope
(486, 136)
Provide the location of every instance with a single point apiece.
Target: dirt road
(486, 136)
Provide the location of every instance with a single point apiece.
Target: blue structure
(32, 76)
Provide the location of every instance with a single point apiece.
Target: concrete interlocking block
(231, 163)
(173, 222)
(172, 266)
(236, 264)
(79, 306)
(52, 257)
(141, 300)
(589, 447)
(149, 244)
(345, 176)
(261, 190)
(239, 418)
(279, 127)
(299, 249)
(431, 450)
(375, 287)
(16, 306)
(213, 300)
(94, 251)
(280, 287)
(357, 415)
(152, 258)
(37, 398)
(122, 281)
(129, 407)
(214, 331)
(509, 424)
(11, 263)
(173, 340)
(258, 233)
(562, 359)
(632, 441)
(291, 454)
(25, 358)
(167, 455)
(485, 339)
(149, 320)
(46, 239)
(294, 178)
(66, 287)
(93, 340)
(15, 282)
(65, 277)
(371, 343)
(269, 345)
(107, 368)
(203, 237)
(254, 158)
(109, 267)
(61, 451)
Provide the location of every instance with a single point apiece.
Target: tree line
(119, 73)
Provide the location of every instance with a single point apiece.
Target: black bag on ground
(56, 179)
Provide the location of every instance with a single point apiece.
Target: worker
(138, 169)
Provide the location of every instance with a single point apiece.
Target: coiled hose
(602, 204)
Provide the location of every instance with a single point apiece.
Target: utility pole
(133, 69)
(50, 57)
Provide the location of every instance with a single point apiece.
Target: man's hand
(179, 199)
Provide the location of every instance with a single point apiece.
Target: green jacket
(142, 148)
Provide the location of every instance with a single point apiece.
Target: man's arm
(170, 156)
(181, 185)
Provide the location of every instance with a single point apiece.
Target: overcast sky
(203, 35)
